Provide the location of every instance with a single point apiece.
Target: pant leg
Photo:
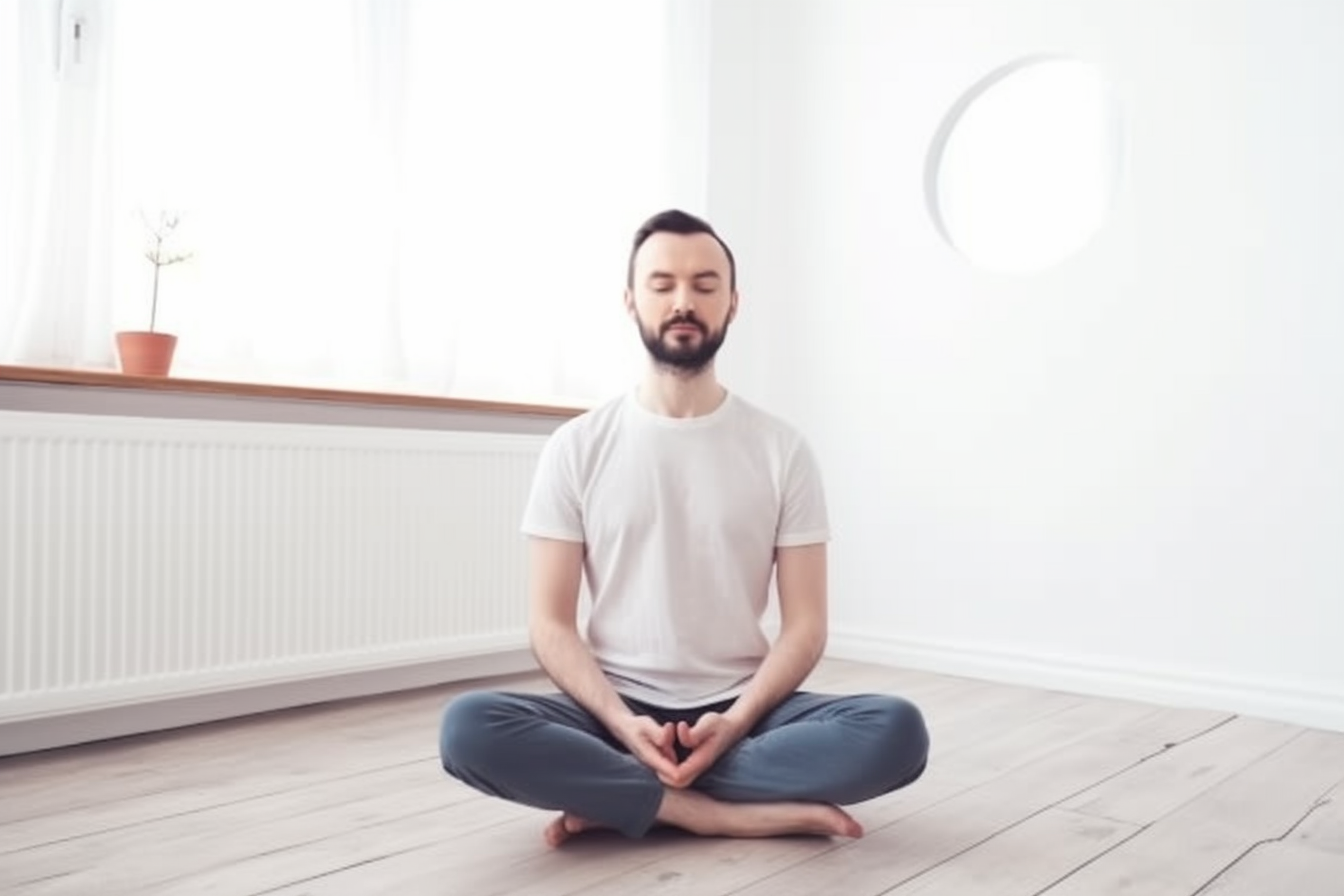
(548, 752)
(822, 748)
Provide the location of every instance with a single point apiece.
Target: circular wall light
(1025, 167)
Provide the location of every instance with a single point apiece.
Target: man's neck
(670, 395)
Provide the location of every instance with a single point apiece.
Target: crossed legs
(811, 754)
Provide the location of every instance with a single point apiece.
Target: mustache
(683, 320)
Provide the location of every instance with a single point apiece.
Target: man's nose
(682, 299)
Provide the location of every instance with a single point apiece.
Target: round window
(1026, 166)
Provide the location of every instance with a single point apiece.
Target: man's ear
(628, 300)
(732, 308)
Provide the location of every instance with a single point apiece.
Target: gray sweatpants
(548, 752)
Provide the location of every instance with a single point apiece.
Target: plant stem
(154, 301)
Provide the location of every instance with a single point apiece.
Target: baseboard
(1300, 705)
(180, 710)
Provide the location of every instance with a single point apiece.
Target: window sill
(113, 379)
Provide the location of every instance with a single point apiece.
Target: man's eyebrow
(698, 275)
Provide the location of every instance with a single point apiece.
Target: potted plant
(148, 352)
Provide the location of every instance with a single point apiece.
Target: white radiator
(150, 558)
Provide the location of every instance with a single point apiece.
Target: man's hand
(655, 745)
(711, 735)
(650, 743)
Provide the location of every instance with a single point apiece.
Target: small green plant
(158, 254)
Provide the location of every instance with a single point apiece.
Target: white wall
(1124, 475)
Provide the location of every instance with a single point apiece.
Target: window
(413, 195)
(1026, 168)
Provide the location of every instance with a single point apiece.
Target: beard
(685, 356)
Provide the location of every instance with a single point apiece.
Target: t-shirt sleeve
(553, 508)
(803, 519)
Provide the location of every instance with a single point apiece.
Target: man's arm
(556, 573)
(800, 576)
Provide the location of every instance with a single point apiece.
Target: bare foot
(701, 814)
(564, 827)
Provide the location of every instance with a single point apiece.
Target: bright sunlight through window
(402, 194)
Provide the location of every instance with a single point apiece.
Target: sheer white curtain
(55, 173)
(420, 195)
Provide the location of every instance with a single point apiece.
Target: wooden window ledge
(114, 379)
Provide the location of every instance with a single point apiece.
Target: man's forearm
(566, 659)
(792, 658)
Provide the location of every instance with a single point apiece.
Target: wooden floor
(1027, 792)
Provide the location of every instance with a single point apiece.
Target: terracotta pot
(146, 354)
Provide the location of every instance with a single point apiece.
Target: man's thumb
(687, 735)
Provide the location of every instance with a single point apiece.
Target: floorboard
(1149, 791)
(1185, 849)
(1323, 828)
(1282, 868)
(1023, 859)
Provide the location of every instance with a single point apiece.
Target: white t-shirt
(680, 518)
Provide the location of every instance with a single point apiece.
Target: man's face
(681, 299)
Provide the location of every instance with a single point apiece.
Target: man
(678, 502)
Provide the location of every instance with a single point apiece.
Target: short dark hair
(677, 221)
